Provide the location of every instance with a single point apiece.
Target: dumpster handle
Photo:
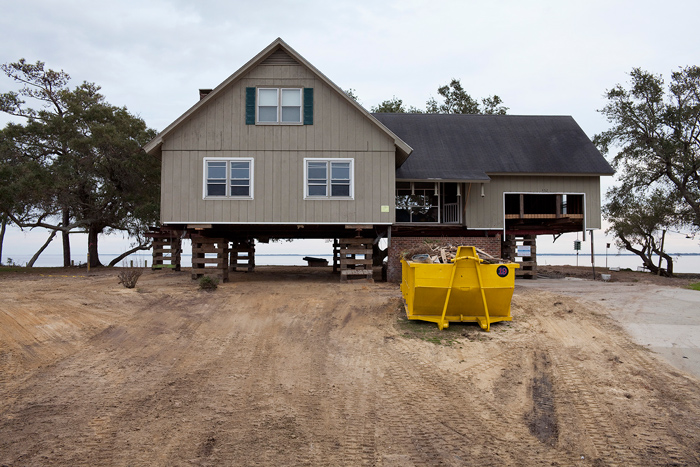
(442, 323)
(483, 322)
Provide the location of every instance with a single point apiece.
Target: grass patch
(12, 269)
(208, 283)
(695, 286)
(429, 332)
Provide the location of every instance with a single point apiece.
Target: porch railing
(450, 213)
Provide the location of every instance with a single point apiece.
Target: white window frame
(228, 161)
(279, 106)
(328, 184)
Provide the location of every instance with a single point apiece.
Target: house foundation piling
(210, 257)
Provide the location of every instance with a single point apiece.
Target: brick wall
(491, 245)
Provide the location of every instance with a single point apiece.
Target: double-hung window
(228, 178)
(328, 178)
(279, 105)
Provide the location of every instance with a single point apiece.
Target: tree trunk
(2, 234)
(93, 233)
(41, 250)
(66, 239)
(146, 246)
(646, 255)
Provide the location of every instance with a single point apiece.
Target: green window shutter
(250, 106)
(308, 106)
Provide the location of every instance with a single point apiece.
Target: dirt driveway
(666, 320)
(284, 368)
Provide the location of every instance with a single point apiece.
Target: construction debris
(430, 252)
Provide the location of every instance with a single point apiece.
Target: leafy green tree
(457, 101)
(656, 131)
(351, 94)
(19, 177)
(90, 173)
(393, 105)
(636, 219)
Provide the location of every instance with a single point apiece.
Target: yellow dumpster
(464, 290)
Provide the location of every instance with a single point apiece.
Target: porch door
(451, 203)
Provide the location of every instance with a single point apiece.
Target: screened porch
(428, 202)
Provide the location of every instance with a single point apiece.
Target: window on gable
(291, 106)
(279, 105)
(267, 105)
(228, 178)
(329, 178)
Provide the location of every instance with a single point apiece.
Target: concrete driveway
(664, 319)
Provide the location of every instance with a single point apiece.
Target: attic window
(279, 105)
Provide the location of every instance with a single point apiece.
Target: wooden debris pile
(443, 253)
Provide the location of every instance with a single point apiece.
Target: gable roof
(277, 52)
(470, 147)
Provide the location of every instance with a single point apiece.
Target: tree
(351, 94)
(658, 134)
(636, 219)
(656, 129)
(393, 105)
(457, 101)
(19, 178)
(90, 173)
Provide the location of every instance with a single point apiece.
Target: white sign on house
(523, 250)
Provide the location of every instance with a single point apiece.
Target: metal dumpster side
(465, 290)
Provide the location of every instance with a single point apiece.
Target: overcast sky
(540, 57)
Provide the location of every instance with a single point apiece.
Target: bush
(208, 283)
(129, 277)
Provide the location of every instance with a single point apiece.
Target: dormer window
(279, 105)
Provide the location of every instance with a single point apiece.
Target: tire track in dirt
(652, 442)
(271, 374)
(660, 421)
(574, 392)
(467, 413)
(444, 408)
(341, 392)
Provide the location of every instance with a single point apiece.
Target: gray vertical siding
(487, 212)
(218, 129)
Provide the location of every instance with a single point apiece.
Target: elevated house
(279, 151)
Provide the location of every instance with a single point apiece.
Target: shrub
(129, 277)
(208, 283)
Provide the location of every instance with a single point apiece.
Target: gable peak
(279, 57)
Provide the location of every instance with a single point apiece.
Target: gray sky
(540, 57)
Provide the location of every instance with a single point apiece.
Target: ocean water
(683, 263)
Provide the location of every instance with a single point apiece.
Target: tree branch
(41, 250)
(145, 246)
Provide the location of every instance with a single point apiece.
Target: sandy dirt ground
(656, 312)
(290, 367)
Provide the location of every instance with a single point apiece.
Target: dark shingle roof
(468, 147)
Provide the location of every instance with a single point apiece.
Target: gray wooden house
(279, 151)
